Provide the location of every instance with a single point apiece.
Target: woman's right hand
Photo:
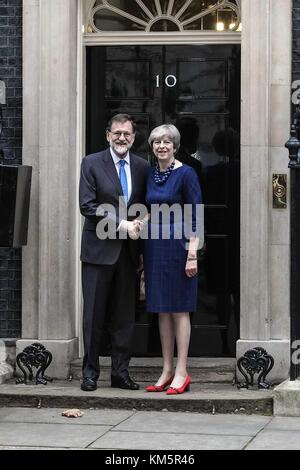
(191, 268)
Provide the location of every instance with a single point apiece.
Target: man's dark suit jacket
(100, 184)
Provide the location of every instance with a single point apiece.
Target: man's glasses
(118, 134)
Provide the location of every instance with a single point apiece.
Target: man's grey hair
(165, 130)
(121, 118)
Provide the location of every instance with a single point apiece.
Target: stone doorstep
(6, 372)
(7, 359)
(202, 398)
(202, 370)
(287, 398)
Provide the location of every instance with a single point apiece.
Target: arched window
(164, 16)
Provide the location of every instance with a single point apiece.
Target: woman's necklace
(160, 177)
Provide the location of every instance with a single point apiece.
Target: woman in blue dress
(170, 258)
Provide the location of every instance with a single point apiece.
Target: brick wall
(11, 152)
(296, 43)
(296, 40)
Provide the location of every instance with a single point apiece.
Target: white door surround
(53, 143)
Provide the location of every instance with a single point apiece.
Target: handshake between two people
(134, 227)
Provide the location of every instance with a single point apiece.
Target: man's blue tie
(123, 179)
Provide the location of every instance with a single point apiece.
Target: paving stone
(53, 415)
(159, 441)
(190, 423)
(284, 424)
(49, 435)
(276, 440)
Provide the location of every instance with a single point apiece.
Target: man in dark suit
(113, 177)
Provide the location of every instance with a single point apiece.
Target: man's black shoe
(88, 384)
(124, 382)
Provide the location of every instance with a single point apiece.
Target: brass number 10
(170, 81)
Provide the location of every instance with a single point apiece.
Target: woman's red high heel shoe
(159, 388)
(184, 388)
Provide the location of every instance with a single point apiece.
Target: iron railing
(293, 146)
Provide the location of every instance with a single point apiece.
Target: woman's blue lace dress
(168, 289)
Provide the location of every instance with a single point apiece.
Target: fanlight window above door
(164, 15)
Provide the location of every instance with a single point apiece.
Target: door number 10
(170, 81)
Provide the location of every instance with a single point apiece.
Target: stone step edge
(211, 405)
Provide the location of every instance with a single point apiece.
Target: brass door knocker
(279, 191)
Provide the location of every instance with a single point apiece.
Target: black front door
(198, 89)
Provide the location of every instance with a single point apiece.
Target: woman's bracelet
(192, 259)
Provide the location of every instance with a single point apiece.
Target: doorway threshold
(148, 369)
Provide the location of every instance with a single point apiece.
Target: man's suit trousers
(109, 296)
